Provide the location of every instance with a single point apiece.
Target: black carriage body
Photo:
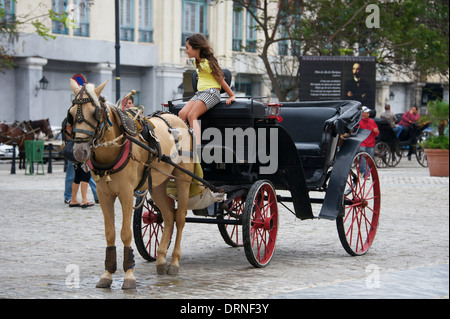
(306, 143)
(228, 134)
(409, 136)
(317, 130)
(311, 149)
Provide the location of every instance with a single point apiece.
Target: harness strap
(82, 101)
(77, 130)
(120, 162)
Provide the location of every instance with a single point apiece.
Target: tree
(403, 35)
(10, 27)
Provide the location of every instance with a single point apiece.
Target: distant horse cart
(390, 149)
(307, 147)
(19, 132)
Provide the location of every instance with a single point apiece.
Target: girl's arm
(226, 87)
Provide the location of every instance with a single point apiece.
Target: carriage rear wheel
(420, 152)
(148, 227)
(358, 222)
(260, 223)
(232, 234)
(383, 155)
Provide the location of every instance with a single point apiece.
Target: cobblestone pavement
(44, 244)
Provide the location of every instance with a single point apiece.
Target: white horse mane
(90, 88)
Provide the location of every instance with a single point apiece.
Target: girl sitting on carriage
(210, 80)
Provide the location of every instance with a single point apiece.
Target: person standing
(70, 174)
(368, 145)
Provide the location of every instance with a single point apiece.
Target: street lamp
(43, 85)
(181, 88)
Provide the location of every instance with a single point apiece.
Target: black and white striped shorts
(209, 96)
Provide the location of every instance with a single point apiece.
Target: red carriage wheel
(147, 228)
(232, 234)
(358, 222)
(260, 223)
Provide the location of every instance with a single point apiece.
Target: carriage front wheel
(260, 223)
(148, 227)
(232, 233)
(358, 221)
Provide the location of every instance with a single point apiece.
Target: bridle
(99, 115)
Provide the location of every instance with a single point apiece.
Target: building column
(29, 105)
(382, 96)
(265, 88)
(418, 94)
(168, 78)
(99, 73)
(445, 96)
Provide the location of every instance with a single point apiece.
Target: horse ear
(98, 90)
(74, 85)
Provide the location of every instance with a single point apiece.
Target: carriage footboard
(338, 179)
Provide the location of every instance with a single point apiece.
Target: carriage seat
(306, 127)
(387, 134)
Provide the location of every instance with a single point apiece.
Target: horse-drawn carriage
(18, 133)
(389, 149)
(249, 151)
(310, 146)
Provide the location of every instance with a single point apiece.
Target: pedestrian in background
(368, 145)
(391, 119)
(408, 118)
(70, 172)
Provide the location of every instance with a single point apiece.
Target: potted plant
(437, 147)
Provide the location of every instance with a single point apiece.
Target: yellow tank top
(206, 79)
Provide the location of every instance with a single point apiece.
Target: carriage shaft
(212, 221)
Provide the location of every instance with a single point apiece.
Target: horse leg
(107, 205)
(129, 281)
(180, 218)
(161, 200)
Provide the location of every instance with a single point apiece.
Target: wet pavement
(48, 250)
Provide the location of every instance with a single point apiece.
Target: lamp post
(117, 50)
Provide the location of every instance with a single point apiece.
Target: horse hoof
(161, 269)
(129, 284)
(173, 270)
(104, 283)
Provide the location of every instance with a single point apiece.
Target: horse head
(41, 126)
(86, 116)
(47, 128)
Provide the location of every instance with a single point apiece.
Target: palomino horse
(99, 138)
